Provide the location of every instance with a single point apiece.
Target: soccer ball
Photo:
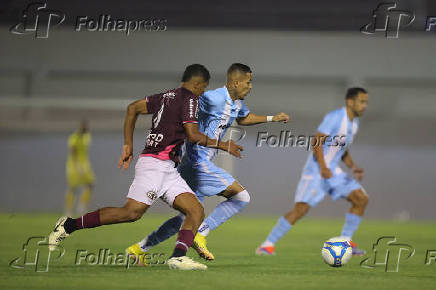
(336, 251)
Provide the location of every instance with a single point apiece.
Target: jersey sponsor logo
(154, 139)
(170, 95)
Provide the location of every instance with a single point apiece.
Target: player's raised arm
(317, 143)
(253, 119)
(195, 136)
(357, 171)
(133, 110)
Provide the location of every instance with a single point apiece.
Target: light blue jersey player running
(322, 174)
(217, 111)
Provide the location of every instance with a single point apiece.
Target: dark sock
(89, 220)
(184, 242)
(165, 231)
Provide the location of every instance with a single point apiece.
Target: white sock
(267, 244)
(203, 229)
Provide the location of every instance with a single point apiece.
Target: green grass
(297, 265)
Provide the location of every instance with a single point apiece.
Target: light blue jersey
(217, 111)
(312, 187)
(341, 131)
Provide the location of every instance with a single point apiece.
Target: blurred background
(304, 55)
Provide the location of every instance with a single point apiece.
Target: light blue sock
(165, 231)
(279, 230)
(352, 222)
(222, 212)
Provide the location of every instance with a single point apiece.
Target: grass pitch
(297, 265)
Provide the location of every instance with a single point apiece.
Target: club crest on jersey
(152, 195)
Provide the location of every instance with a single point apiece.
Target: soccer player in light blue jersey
(217, 111)
(322, 175)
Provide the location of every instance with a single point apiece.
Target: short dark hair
(353, 92)
(238, 67)
(196, 70)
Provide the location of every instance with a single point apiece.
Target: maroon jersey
(170, 111)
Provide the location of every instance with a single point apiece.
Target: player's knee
(301, 209)
(134, 215)
(360, 199)
(196, 212)
(364, 200)
(243, 196)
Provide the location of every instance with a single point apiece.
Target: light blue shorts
(312, 188)
(205, 178)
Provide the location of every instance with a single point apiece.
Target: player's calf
(300, 210)
(284, 224)
(189, 205)
(131, 211)
(194, 214)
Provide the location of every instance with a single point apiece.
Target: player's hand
(281, 117)
(358, 172)
(126, 157)
(233, 148)
(326, 173)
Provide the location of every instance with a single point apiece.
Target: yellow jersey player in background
(78, 169)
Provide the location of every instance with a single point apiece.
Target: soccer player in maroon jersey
(174, 120)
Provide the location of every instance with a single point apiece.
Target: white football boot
(185, 263)
(58, 234)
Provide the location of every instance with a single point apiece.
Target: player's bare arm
(319, 154)
(253, 119)
(357, 171)
(195, 136)
(133, 110)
